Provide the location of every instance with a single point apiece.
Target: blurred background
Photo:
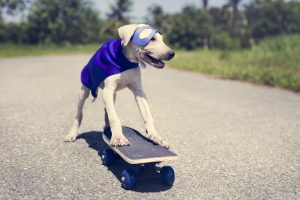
(235, 140)
(251, 40)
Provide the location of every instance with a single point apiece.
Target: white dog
(140, 45)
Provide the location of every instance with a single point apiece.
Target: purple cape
(107, 61)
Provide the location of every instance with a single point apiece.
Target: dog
(139, 45)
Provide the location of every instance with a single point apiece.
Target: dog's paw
(119, 141)
(158, 140)
(70, 138)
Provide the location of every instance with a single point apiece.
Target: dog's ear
(126, 32)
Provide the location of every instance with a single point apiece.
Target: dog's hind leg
(74, 132)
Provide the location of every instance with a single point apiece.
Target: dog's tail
(94, 94)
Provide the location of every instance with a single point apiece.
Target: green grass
(274, 62)
(13, 50)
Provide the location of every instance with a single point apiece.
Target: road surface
(235, 140)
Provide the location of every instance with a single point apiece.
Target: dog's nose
(171, 54)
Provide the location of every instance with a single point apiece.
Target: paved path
(235, 140)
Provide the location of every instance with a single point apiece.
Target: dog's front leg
(106, 121)
(117, 138)
(143, 105)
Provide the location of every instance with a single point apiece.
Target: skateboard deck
(141, 149)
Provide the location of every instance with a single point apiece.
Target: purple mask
(139, 40)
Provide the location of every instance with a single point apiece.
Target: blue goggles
(142, 41)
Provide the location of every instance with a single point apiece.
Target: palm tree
(157, 17)
(205, 40)
(234, 4)
(205, 4)
(119, 11)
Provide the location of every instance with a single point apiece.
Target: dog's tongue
(160, 65)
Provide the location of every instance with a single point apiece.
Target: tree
(63, 21)
(235, 16)
(205, 4)
(11, 6)
(118, 16)
(205, 7)
(120, 11)
(221, 18)
(273, 17)
(157, 18)
(189, 28)
(221, 37)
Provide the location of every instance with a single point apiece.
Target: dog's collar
(142, 41)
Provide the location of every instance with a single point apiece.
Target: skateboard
(141, 152)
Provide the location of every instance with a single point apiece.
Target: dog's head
(144, 44)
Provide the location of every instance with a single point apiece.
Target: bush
(275, 61)
(15, 33)
(222, 40)
(281, 51)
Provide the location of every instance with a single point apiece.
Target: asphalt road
(235, 140)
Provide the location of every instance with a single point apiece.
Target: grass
(274, 62)
(13, 50)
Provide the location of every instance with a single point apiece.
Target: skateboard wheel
(128, 179)
(107, 157)
(168, 175)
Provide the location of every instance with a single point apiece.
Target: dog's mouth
(154, 61)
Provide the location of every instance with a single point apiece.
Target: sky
(140, 6)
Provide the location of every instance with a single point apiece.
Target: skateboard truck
(143, 156)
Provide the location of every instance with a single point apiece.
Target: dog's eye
(153, 39)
